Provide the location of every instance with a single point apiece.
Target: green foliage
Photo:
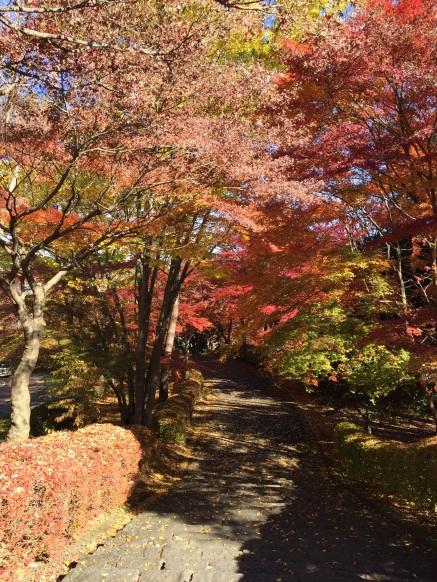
(5, 423)
(46, 418)
(314, 345)
(375, 371)
(326, 341)
(307, 14)
(195, 376)
(172, 427)
(409, 471)
(172, 418)
(246, 47)
(75, 386)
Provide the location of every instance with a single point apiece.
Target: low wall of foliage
(52, 486)
(172, 418)
(407, 470)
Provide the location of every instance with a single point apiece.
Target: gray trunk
(169, 342)
(400, 274)
(168, 350)
(434, 261)
(172, 288)
(146, 288)
(33, 326)
(428, 384)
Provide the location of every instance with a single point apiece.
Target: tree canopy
(246, 173)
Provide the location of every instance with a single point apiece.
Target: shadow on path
(257, 505)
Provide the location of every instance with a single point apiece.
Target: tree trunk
(174, 282)
(434, 261)
(168, 350)
(140, 355)
(187, 346)
(125, 416)
(229, 332)
(399, 272)
(432, 406)
(124, 336)
(367, 422)
(153, 371)
(33, 327)
(146, 285)
(428, 383)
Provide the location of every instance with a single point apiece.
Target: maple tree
(126, 304)
(253, 178)
(365, 87)
(151, 169)
(354, 120)
(81, 151)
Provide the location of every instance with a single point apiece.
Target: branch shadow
(259, 485)
(258, 505)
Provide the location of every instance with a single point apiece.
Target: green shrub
(44, 419)
(407, 470)
(172, 418)
(375, 371)
(195, 376)
(75, 386)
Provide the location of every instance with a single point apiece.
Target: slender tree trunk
(146, 285)
(168, 350)
(154, 368)
(364, 412)
(367, 422)
(431, 395)
(187, 346)
(229, 331)
(434, 261)
(33, 327)
(140, 355)
(428, 384)
(123, 407)
(174, 282)
(124, 336)
(399, 272)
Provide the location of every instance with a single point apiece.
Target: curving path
(257, 505)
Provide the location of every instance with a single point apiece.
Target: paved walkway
(256, 506)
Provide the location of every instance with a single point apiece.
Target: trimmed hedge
(407, 470)
(52, 486)
(172, 418)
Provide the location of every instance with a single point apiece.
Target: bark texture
(33, 326)
(176, 276)
(168, 350)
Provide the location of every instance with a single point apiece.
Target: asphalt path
(258, 504)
